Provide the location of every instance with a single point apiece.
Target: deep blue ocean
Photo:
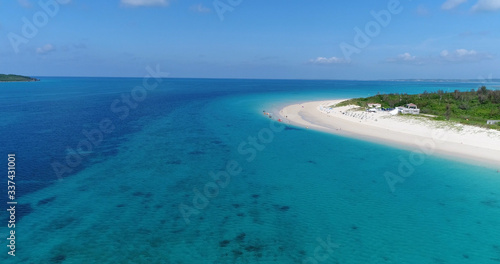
(191, 171)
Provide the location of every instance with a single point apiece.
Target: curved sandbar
(409, 132)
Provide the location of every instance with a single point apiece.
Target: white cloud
(134, 3)
(325, 61)
(45, 49)
(445, 56)
(463, 55)
(200, 8)
(405, 58)
(464, 52)
(487, 5)
(451, 4)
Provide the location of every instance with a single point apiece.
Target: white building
(409, 109)
(374, 105)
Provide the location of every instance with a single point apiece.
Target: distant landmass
(16, 78)
(484, 80)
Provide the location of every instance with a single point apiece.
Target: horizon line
(284, 79)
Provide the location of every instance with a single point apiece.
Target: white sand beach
(415, 133)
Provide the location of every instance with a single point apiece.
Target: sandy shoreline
(408, 132)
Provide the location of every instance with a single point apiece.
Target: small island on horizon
(16, 78)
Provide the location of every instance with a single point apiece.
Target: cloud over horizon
(327, 61)
(405, 58)
(463, 55)
(445, 56)
(47, 48)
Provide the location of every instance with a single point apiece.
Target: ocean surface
(191, 171)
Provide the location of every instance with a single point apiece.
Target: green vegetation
(474, 107)
(16, 78)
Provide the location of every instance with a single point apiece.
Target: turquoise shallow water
(295, 196)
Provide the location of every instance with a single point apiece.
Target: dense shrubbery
(473, 107)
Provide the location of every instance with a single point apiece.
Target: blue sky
(291, 39)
